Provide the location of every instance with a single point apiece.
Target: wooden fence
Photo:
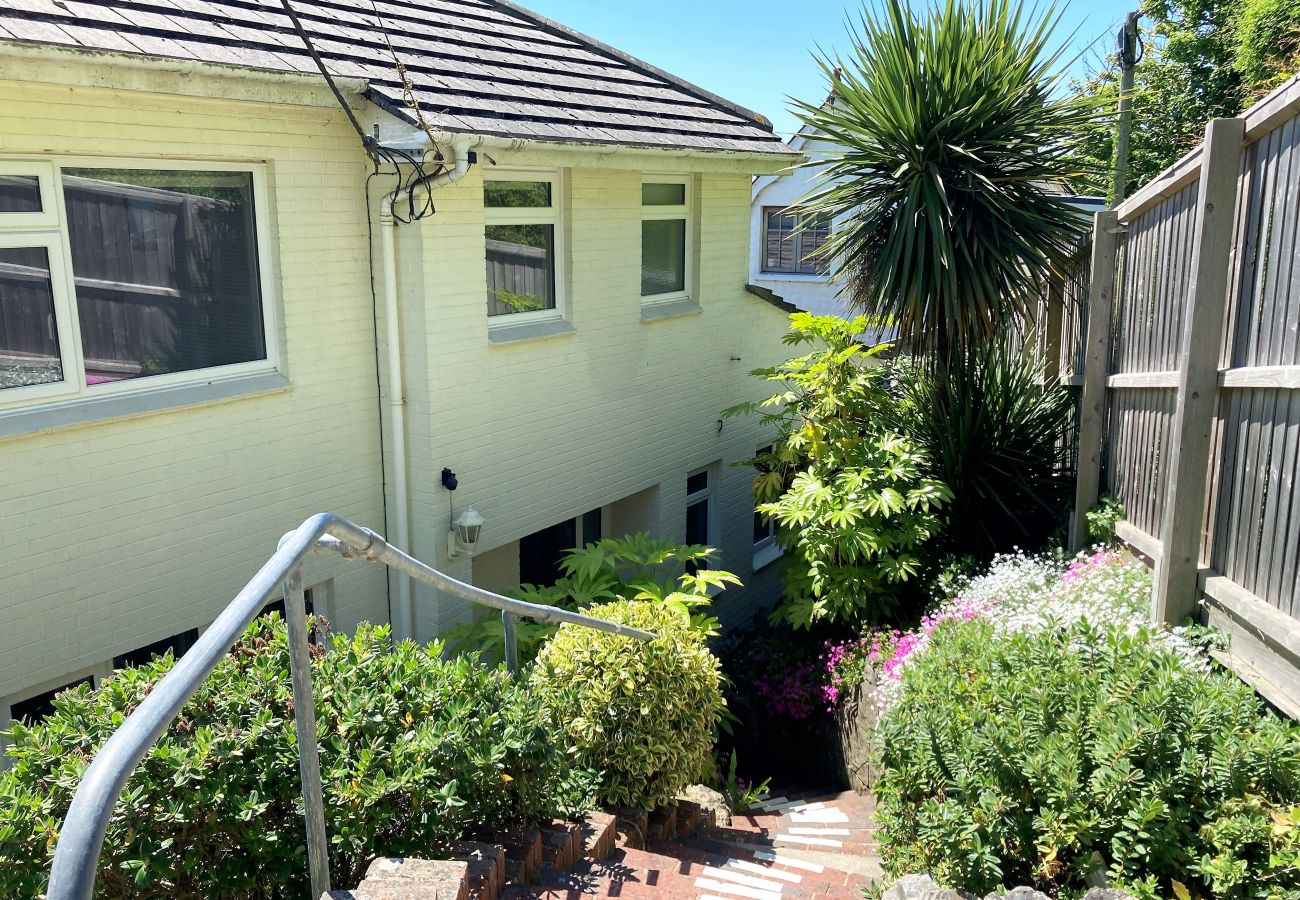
(1190, 368)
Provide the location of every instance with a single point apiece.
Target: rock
(712, 804)
(1022, 893)
(922, 887)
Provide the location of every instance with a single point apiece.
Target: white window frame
(553, 215)
(27, 233)
(685, 212)
(706, 495)
(51, 241)
(48, 217)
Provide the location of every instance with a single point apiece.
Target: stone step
(399, 878)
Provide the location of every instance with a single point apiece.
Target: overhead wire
(417, 173)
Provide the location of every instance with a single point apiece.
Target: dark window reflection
(520, 268)
(20, 194)
(29, 339)
(166, 270)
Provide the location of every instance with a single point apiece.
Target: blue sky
(758, 52)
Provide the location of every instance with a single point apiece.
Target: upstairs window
(795, 242)
(665, 239)
(110, 275)
(522, 216)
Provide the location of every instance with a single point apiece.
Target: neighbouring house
(219, 314)
(787, 243)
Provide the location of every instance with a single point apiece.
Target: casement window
(542, 552)
(794, 242)
(665, 239)
(34, 709)
(522, 212)
(125, 274)
(699, 510)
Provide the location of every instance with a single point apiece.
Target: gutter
(404, 626)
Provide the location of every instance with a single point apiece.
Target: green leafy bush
(643, 713)
(416, 752)
(850, 497)
(1025, 758)
(633, 567)
(992, 430)
(1103, 518)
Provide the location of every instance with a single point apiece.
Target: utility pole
(1128, 59)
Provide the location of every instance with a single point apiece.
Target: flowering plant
(1018, 594)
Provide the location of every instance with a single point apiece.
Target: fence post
(1200, 350)
(1096, 364)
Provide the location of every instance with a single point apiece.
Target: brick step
(772, 864)
(763, 853)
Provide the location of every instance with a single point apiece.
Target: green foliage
(1103, 518)
(633, 567)
(643, 713)
(1204, 59)
(520, 302)
(994, 431)
(740, 794)
(1268, 43)
(850, 497)
(952, 133)
(1014, 758)
(416, 752)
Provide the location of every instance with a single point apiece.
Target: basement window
(113, 275)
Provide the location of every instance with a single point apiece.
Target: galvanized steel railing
(76, 857)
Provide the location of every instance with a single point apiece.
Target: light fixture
(465, 532)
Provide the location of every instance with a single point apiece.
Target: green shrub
(989, 428)
(415, 752)
(1013, 759)
(634, 567)
(643, 713)
(1103, 518)
(850, 497)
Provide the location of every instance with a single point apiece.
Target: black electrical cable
(396, 158)
(379, 385)
(366, 139)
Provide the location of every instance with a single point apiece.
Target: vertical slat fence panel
(1197, 357)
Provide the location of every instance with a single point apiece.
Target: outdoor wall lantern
(465, 533)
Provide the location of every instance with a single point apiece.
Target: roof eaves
(696, 90)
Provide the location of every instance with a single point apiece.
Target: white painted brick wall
(544, 430)
(121, 533)
(117, 534)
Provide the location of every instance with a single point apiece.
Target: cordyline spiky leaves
(953, 148)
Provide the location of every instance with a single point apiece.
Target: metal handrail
(76, 858)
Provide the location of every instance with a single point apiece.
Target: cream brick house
(202, 341)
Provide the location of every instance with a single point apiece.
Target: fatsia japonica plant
(850, 498)
(633, 567)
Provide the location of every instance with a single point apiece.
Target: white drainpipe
(404, 624)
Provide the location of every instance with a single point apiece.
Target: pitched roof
(477, 66)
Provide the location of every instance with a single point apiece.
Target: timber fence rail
(1189, 362)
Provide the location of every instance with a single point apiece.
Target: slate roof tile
(480, 66)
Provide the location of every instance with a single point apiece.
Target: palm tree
(947, 186)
